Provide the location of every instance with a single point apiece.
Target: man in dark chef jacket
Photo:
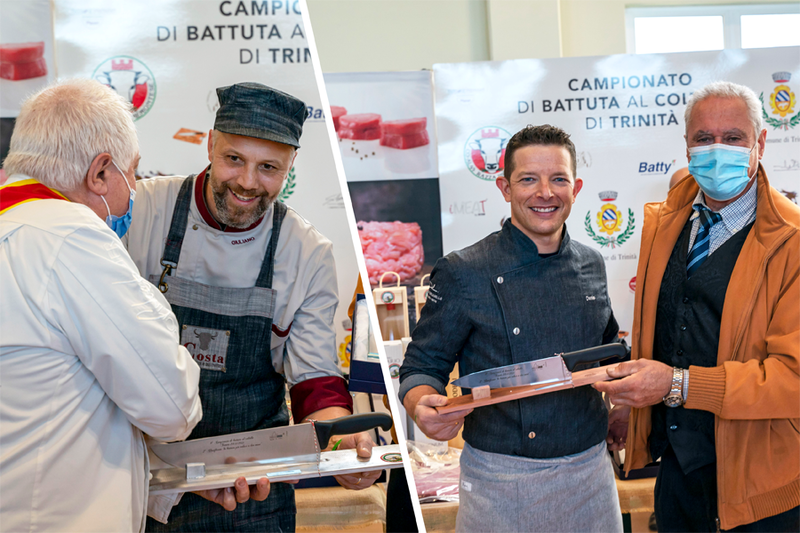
(714, 382)
(523, 293)
(254, 288)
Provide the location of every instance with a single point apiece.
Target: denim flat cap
(255, 110)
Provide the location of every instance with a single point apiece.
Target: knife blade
(297, 443)
(172, 480)
(548, 371)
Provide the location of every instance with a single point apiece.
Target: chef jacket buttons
(680, 352)
(683, 327)
(194, 226)
(673, 427)
(685, 300)
(516, 331)
(531, 435)
(500, 279)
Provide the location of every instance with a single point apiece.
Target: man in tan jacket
(714, 382)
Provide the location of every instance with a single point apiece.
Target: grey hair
(726, 89)
(63, 127)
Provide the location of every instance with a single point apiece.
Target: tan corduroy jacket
(754, 392)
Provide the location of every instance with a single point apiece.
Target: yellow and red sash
(20, 192)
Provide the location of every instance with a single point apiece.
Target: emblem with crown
(782, 101)
(609, 220)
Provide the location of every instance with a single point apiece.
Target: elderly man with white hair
(715, 378)
(89, 353)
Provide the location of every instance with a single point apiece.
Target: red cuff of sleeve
(318, 393)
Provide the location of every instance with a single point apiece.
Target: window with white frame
(653, 30)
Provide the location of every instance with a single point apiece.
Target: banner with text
(168, 58)
(625, 116)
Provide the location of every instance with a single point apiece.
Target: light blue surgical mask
(720, 170)
(121, 224)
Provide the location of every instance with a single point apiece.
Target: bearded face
(237, 207)
(246, 176)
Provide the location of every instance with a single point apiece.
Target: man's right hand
(435, 425)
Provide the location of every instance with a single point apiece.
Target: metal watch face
(673, 400)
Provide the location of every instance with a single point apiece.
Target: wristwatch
(675, 396)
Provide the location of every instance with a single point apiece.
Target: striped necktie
(699, 250)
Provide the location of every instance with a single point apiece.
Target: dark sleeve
(611, 335)
(441, 332)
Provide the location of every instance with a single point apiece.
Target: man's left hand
(362, 443)
(644, 382)
(618, 427)
(239, 493)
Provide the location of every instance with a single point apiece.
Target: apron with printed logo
(228, 333)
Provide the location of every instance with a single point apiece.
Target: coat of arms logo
(609, 220)
(782, 102)
(288, 186)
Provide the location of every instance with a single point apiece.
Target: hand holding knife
(521, 380)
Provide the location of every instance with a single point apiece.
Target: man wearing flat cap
(254, 288)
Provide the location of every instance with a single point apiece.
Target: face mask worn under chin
(720, 170)
(121, 224)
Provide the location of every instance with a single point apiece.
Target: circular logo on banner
(484, 152)
(392, 458)
(131, 79)
(387, 297)
(394, 370)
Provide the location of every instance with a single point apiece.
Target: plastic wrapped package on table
(440, 517)
(339, 509)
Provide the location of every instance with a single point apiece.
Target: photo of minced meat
(391, 247)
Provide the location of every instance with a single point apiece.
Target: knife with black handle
(596, 354)
(347, 425)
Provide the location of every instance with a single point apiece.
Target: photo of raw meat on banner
(384, 122)
(26, 60)
(387, 136)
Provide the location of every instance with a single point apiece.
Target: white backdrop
(183, 50)
(625, 115)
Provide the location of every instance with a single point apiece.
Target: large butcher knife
(531, 378)
(282, 453)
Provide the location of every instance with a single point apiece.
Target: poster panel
(168, 57)
(26, 60)
(391, 171)
(625, 116)
(393, 180)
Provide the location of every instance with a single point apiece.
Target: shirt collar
(205, 213)
(736, 215)
(527, 244)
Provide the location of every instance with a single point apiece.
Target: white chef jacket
(303, 344)
(89, 360)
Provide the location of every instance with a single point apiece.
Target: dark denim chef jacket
(498, 302)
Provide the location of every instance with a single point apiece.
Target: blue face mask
(121, 224)
(720, 170)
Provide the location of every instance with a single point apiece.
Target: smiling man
(716, 333)
(254, 288)
(521, 294)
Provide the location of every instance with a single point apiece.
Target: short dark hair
(545, 135)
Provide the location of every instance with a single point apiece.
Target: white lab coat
(89, 359)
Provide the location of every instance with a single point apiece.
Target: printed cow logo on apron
(209, 347)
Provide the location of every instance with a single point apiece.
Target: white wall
(380, 35)
(392, 35)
